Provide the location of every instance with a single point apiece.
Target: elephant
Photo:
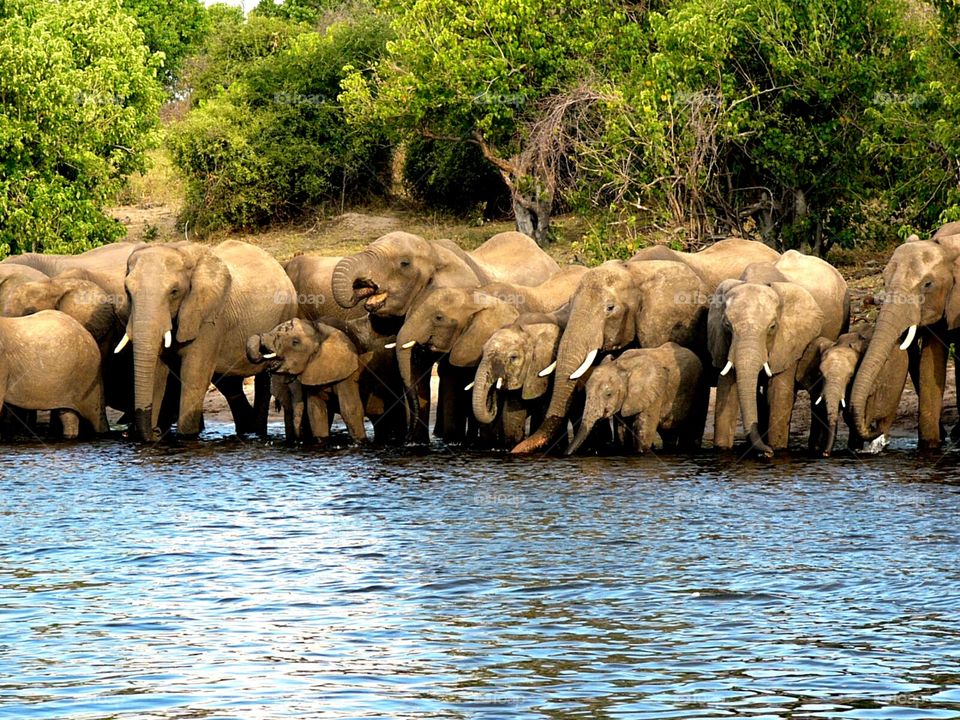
(838, 364)
(771, 321)
(617, 305)
(192, 309)
(322, 365)
(920, 314)
(449, 326)
(106, 265)
(547, 297)
(49, 362)
(725, 259)
(662, 390)
(397, 270)
(13, 276)
(509, 381)
(312, 276)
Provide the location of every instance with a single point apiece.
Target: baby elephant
(49, 362)
(325, 362)
(654, 390)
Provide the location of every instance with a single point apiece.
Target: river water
(244, 579)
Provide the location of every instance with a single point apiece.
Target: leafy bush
(80, 105)
(171, 27)
(274, 143)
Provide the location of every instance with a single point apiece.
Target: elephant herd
(514, 351)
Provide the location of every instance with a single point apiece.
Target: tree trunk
(533, 218)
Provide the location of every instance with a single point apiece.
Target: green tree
(482, 71)
(80, 105)
(171, 27)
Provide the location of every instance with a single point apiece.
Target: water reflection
(232, 579)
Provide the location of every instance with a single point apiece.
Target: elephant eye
(514, 358)
(404, 263)
(438, 317)
(174, 292)
(611, 307)
(928, 284)
(295, 342)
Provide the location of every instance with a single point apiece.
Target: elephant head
(920, 288)
(754, 328)
(83, 300)
(838, 363)
(317, 353)
(514, 359)
(395, 269)
(615, 305)
(173, 291)
(606, 388)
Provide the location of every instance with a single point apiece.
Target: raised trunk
(345, 274)
(893, 320)
(484, 397)
(748, 362)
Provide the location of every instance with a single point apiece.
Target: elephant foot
(758, 444)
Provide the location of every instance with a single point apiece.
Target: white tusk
(167, 339)
(767, 370)
(548, 369)
(469, 386)
(761, 389)
(591, 356)
(122, 344)
(843, 402)
(269, 356)
(499, 383)
(727, 368)
(407, 346)
(819, 399)
(911, 334)
(390, 346)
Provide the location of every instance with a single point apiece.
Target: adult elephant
(394, 272)
(13, 276)
(617, 305)
(194, 307)
(725, 259)
(312, 276)
(106, 265)
(920, 314)
(771, 322)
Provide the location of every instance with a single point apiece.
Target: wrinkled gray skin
(13, 276)
(617, 305)
(209, 300)
(721, 261)
(326, 364)
(661, 390)
(839, 362)
(515, 356)
(772, 317)
(921, 291)
(49, 362)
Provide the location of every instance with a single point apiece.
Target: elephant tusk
(390, 346)
(767, 370)
(408, 345)
(761, 389)
(469, 385)
(499, 383)
(591, 356)
(122, 344)
(548, 369)
(819, 399)
(727, 368)
(269, 356)
(167, 339)
(911, 334)
(843, 402)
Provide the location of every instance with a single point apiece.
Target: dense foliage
(173, 28)
(268, 139)
(80, 101)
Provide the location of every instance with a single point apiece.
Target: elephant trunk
(833, 392)
(253, 349)
(749, 360)
(484, 393)
(578, 349)
(893, 320)
(146, 333)
(345, 278)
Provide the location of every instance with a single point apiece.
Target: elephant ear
(636, 379)
(718, 339)
(952, 309)
(489, 316)
(544, 339)
(799, 323)
(335, 359)
(209, 287)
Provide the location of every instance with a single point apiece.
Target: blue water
(243, 579)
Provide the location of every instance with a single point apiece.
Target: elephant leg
(726, 411)
(70, 424)
(932, 376)
(955, 432)
(691, 438)
(419, 430)
(450, 422)
(261, 402)
(166, 395)
(231, 387)
(351, 408)
(763, 406)
(822, 433)
(93, 409)
(319, 414)
(196, 373)
(781, 394)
